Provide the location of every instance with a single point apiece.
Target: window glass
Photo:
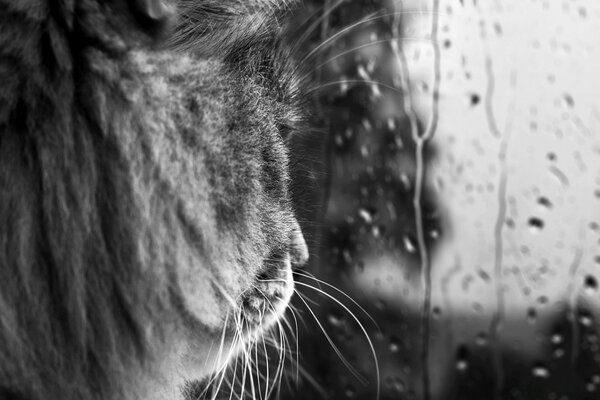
(456, 163)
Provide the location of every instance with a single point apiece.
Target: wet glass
(456, 168)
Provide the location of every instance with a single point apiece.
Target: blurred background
(451, 188)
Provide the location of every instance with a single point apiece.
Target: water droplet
(536, 224)
(590, 387)
(543, 201)
(347, 256)
(462, 356)
(378, 231)
(335, 319)
(591, 284)
(569, 100)
(360, 266)
(394, 345)
(585, 319)
(395, 385)
(474, 99)
(350, 392)
(531, 315)
(364, 151)
(481, 339)
(540, 371)
(367, 214)
(409, 244)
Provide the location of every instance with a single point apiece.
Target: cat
(147, 231)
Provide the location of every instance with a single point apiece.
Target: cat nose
(298, 249)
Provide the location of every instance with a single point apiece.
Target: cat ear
(154, 10)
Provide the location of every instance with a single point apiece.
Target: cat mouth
(266, 301)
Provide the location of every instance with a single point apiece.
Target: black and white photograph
(299, 200)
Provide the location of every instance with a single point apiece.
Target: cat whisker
(279, 346)
(321, 282)
(295, 334)
(337, 351)
(361, 326)
(236, 363)
(344, 31)
(307, 75)
(282, 356)
(215, 375)
(258, 370)
(313, 26)
(267, 368)
(353, 81)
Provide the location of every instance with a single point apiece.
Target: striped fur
(143, 185)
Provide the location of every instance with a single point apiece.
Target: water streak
(421, 141)
(573, 294)
(498, 317)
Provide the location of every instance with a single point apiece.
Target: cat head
(147, 227)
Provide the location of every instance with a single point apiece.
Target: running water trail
(573, 296)
(421, 141)
(498, 317)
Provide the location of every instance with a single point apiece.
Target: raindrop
(409, 244)
(394, 344)
(395, 384)
(481, 339)
(462, 356)
(591, 284)
(360, 266)
(536, 224)
(474, 99)
(510, 223)
(543, 201)
(531, 315)
(540, 371)
(585, 319)
(367, 214)
(378, 231)
(557, 338)
(347, 256)
(335, 320)
(350, 392)
(364, 151)
(569, 100)
(590, 387)
(559, 353)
